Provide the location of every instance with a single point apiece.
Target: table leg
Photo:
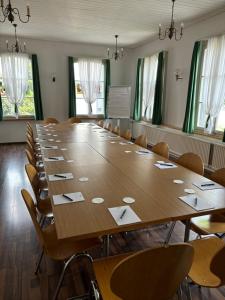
(187, 230)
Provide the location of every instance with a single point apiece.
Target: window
(207, 83)
(27, 107)
(82, 107)
(149, 81)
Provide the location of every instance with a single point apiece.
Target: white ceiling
(96, 21)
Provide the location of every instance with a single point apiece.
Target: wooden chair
(192, 162)
(141, 140)
(116, 130)
(100, 123)
(208, 269)
(108, 126)
(61, 250)
(74, 120)
(147, 275)
(161, 149)
(50, 120)
(126, 135)
(211, 224)
(43, 204)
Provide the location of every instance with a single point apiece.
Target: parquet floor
(19, 247)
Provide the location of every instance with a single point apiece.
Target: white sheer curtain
(149, 81)
(15, 77)
(214, 83)
(90, 76)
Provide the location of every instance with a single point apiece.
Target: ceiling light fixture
(117, 54)
(172, 30)
(17, 48)
(10, 12)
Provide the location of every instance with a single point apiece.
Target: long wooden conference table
(114, 171)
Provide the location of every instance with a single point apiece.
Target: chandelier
(117, 54)
(10, 12)
(172, 30)
(17, 48)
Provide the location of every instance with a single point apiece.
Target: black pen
(54, 158)
(166, 164)
(50, 147)
(196, 201)
(67, 197)
(143, 151)
(207, 184)
(123, 213)
(60, 176)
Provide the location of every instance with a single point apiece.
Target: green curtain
(1, 109)
(37, 89)
(193, 88)
(72, 91)
(106, 63)
(159, 89)
(139, 90)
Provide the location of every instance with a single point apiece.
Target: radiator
(218, 160)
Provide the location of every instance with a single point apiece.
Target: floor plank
(19, 247)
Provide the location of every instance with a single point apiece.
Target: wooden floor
(19, 248)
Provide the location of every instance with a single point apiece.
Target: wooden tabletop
(115, 171)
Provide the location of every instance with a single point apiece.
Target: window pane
(220, 124)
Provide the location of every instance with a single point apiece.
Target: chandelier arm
(16, 11)
(4, 15)
(176, 38)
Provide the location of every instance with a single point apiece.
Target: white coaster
(112, 142)
(49, 134)
(97, 200)
(55, 134)
(189, 191)
(51, 140)
(70, 161)
(127, 151)
(128, 200)
(122, 143)
(58, 141)
(178, 181)
(83, 179)
(63, 149)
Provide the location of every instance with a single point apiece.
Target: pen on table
(166, 164)
(143, 151)
(207, 184)
(123, 213)
(54, 158)
(67, 197)
(196, 201)
(60, 176)
(48, 147)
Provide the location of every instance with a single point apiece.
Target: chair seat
(103, 270)
(209, 224)
(65, 248)
(204, 251)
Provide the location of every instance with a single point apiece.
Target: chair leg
(179, 293)
(39, 262)
(188, 289)
(66, 263)
(169, 233)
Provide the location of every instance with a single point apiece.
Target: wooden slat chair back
(127, 135)
(51, 120)
(152, 274)
(192, 162)
(219, 176)
(73, 120)
(31, 158)
(141, 140)
(161, 149)
(116, 130)
(217, 265)
(34, 180)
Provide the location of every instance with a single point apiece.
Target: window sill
(21, 118)
(216, 135)
(91, 117)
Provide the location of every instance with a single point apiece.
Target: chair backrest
(161, 149)
(141, 140)
(34, 180)
(74, 120)
(30, 146)
(217, 265)
(100, 123)
(219, 176)
(127, 135)
(192, 162)
(152, 274)
(116, 130)
(33, 213)
(51, 120)
(30, 158)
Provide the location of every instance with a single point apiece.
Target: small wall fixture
(178, 75)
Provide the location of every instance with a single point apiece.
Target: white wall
(52, 59)
(179, 57)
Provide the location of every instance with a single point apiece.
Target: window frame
(200, 130)
(21, 117)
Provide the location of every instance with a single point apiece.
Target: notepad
(60, 199)
(55, 178)
(143, 152)
(165, 165)
(50, 147)
(121, 218)
(208, 185)
(196, 202)
(54, 158)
